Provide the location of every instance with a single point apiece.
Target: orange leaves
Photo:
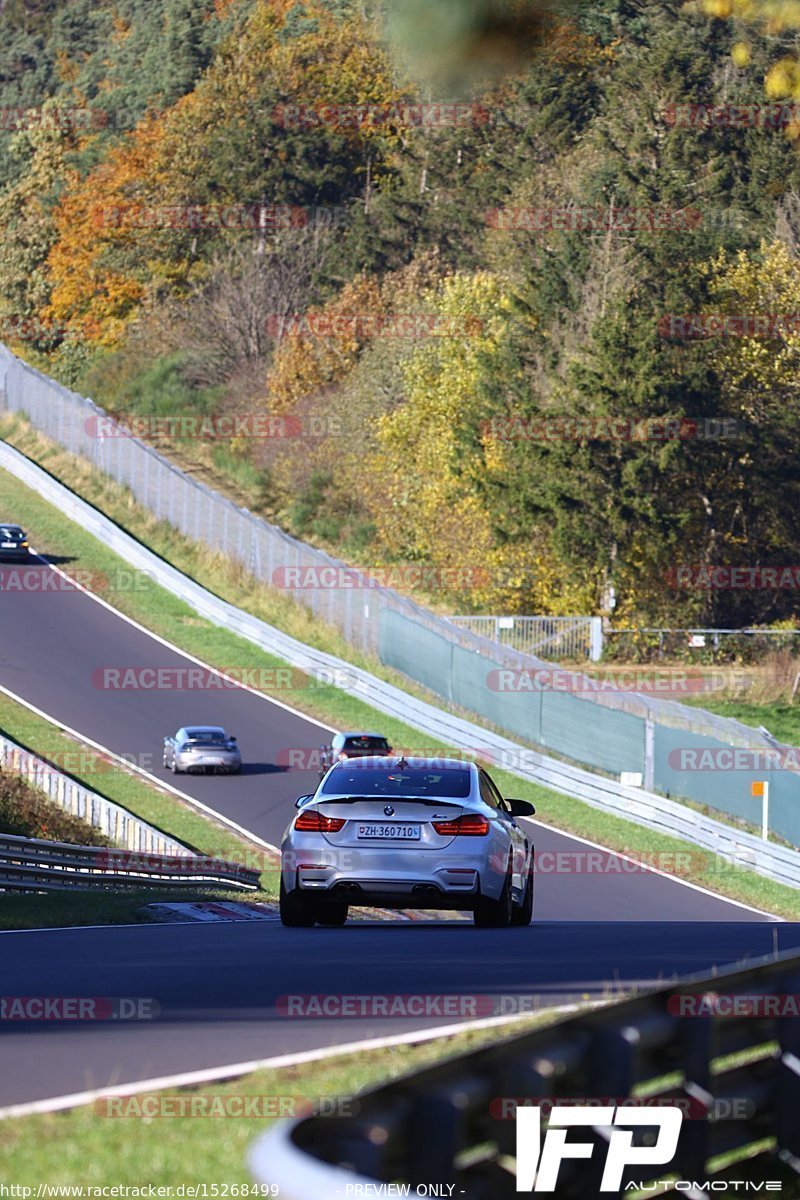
(88, 287)
(304, 365)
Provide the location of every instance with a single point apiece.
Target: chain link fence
(570, 638)
(616, 729)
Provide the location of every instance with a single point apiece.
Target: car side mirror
(521, 808)
(301, 800)
(231, 737)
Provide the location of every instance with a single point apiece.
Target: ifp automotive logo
(539, 1160)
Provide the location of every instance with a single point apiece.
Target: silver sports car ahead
(202, 748)
(407, 833)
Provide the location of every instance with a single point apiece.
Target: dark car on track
(13, 543)
(352, 745)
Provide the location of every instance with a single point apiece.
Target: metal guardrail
(31, 864)
(633, 803)
(549, 637)
(115, 822)
(453, 1125)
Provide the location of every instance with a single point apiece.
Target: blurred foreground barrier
(723, 1049)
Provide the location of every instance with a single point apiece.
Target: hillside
(543, 327)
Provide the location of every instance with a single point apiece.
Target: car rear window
(201, 738)
(369, 745)
(407, 781)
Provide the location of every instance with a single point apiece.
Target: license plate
(211, 762)
(9, 545)
(405, 833)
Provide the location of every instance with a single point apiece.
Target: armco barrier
(121, 826)
(611, 731)
(634, 804)
(31, 864)
(450, 1130)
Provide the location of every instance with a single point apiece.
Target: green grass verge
(158, 610)
(83, 1146)
(781, 718)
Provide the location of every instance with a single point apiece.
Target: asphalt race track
(217, 984)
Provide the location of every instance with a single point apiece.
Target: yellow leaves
(763, 284)
(783, 79)
(741, 54)
(775, 15)
(718, 8)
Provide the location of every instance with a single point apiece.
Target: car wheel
(296, 909)
(332, 914)
(236, 770)
(523, 914)
(495, 914)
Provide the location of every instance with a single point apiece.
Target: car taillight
(468, 826)
(315, 822)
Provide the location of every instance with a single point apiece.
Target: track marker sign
(538, 1160)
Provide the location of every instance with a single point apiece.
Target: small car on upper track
(202, 748)
(407, 833)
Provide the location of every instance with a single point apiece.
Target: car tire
(495, 914)
(297, 911)
(524, 914)
(332, 914)
(236, 770)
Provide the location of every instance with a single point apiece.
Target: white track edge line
(657, 870)
(170, 645)
(209, 1074)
